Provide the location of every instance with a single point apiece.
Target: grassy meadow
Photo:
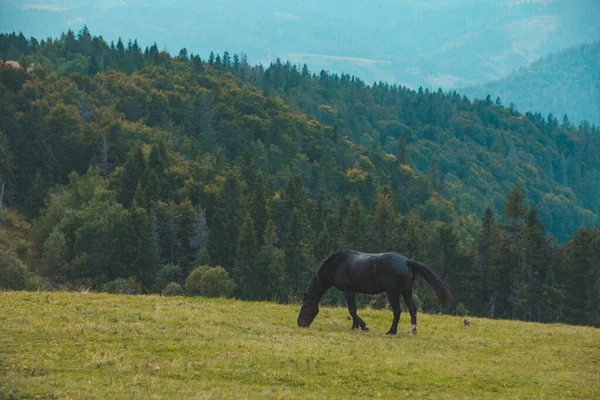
(90, 345)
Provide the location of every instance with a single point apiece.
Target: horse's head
(308, 312)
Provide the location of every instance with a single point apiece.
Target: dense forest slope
(134, 164)
(567, 82)
(474, 152)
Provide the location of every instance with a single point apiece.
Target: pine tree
(226, 221)
(292, 197)
(513, 266)
(514, 210)
(151, 185)
(566, 124)
(183, 54)
(186, 215)
(411, 237)
(171, 244)
(249, 168)
(354, 227)
(272, 262)
(582, 277)
(445, 254)
(552, 299)
(297, 244)
(131, 174)
(258, 206)
(536, 260)
(6, 167)
(13, 53)
(55, 256)
(84, 108)
(236, 64)
(433, 176)
(328, 172)
(157, 160)
(140, 197)
(158, 110)
(36, 197)
(312, 213)
(105, 168)
(155, 243)
(325, 243)
(402, 153)
(245, 271)
(204, 120)
(138, 241)
(383, 226)
(488, 241)
(199, 236)
(295, 194)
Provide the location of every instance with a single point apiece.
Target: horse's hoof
(390, 333)
(365, 329)
(413, 330)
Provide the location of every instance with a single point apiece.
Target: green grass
(78, 345)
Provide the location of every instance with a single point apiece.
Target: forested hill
(133, 163)
(567, 82)
(473, 152)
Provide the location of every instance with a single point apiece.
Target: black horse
(355, 272)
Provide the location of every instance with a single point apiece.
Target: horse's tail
(440, 286)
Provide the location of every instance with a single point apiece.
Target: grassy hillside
(567, 82)
(76, 345)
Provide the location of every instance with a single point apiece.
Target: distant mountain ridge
(567, 82)
(438, 43)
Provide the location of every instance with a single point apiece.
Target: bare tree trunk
(1, 195)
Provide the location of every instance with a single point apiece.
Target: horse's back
(393, 265)
(371, 272)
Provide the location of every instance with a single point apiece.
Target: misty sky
(438, 43)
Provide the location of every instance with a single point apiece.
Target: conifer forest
(137, 171)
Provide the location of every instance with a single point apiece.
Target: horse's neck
(316, 288)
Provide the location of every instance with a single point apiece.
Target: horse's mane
(333, 256)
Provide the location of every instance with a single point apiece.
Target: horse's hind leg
(356, 321)
(412, 308)
(394, 298)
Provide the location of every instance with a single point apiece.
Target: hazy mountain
(439, 43)
(565, 82)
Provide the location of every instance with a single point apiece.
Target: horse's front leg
(357, 322)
